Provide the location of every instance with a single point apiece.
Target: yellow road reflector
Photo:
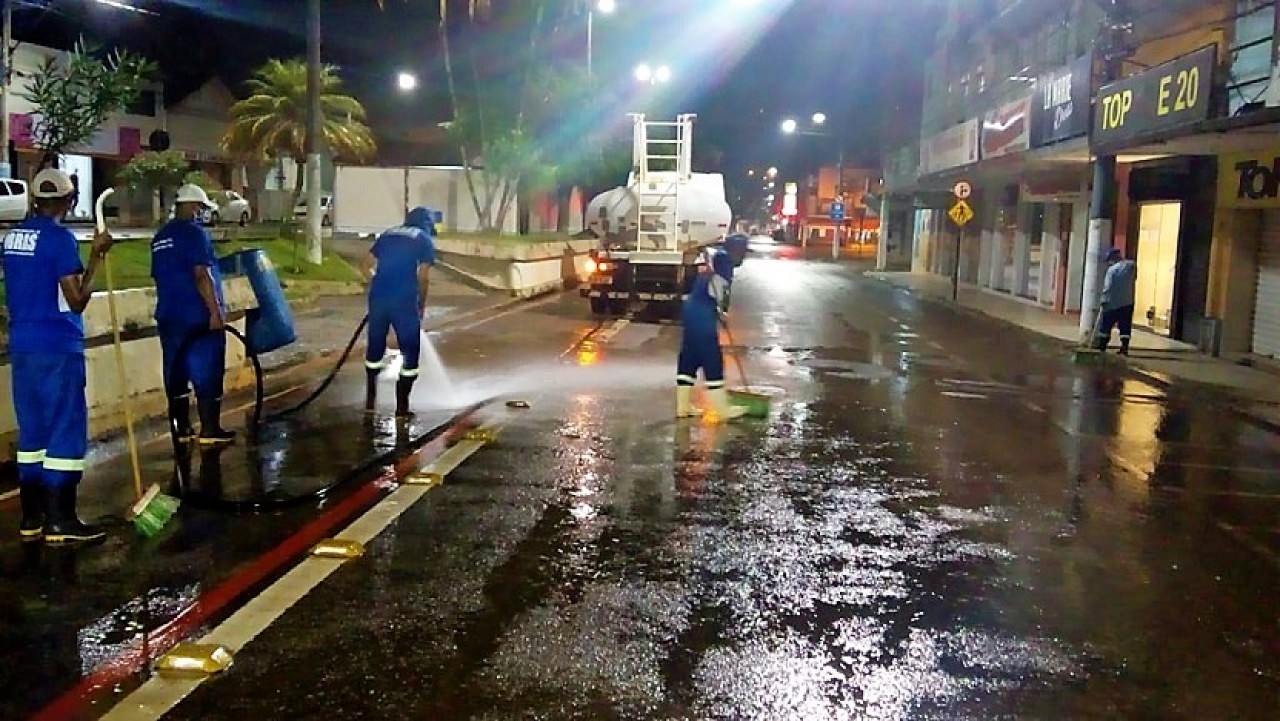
(338, 548)
(484, 435)
(195, 658)
(424, 478)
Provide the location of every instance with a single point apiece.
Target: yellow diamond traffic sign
(961, 213)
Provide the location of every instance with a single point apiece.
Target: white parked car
(232, 208)
(326, 210)
(14, 201)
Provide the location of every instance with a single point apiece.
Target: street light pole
(312, 149)
(6, 84)
(835, 247)
(591, 31)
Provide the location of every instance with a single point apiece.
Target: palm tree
(272, 122)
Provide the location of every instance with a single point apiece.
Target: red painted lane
(73, 703)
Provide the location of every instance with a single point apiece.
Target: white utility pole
(6, 85)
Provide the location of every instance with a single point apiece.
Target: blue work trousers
(53, 418)
(406, 319)
(700, 349)
(1115, 318)
(202, 363)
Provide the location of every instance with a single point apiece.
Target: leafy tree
(155, 172)
(202, 179)
(74, 94)
(272, 122)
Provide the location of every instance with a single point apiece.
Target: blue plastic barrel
(270, 325)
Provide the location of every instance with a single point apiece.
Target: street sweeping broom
(756, 404)
(151, 509)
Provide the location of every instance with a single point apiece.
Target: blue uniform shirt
(711, 289)
(37, 254)
(176, 251)
(399, 252)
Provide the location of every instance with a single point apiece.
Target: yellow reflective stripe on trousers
(715, 384)
(375, 365)
(28, 457)
(408, 372)
(686, 379)
(64, 464)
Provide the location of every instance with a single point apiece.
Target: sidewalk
(324, 328)
(1253, 392)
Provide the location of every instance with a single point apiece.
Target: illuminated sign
(1165, 97)
(790, 207)
(1249, 180)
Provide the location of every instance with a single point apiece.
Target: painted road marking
(162, 693)
(608, 334)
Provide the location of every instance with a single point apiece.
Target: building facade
(861, 224)
(195, 124)
(1022, 95)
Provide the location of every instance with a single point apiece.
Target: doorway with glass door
(1157, 258)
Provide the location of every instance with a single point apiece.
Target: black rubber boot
(1124, 345)
(62, 525)
(180, 419)
(31, 528)
(371, 388)
(404, 388)
(211, 431)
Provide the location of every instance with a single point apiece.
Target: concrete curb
(1132, 368)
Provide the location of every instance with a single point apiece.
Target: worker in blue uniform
(398, 271)
(47, 289)
(191, 318)
(707, 302)
(1119, 288)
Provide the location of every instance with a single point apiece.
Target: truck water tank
(702, 205)
(270, 325)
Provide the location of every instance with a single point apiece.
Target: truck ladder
(663, 160)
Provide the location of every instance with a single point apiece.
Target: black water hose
(259, 397)
(182, 454)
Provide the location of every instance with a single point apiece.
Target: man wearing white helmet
(47, 289)
(191, 317)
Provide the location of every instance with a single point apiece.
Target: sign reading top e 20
(1166, 96)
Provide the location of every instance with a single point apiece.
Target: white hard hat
(191, 193)
(52, 183)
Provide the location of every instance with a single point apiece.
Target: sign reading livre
(1164, 97)
(1060, 110)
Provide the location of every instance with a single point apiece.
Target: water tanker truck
(652, 229)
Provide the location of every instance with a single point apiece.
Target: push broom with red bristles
(151, 509)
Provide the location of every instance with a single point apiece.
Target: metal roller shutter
(1266, 305)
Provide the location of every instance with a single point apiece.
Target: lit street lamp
(790, 127)
(407, 82)
(773, 172)
(653, 76)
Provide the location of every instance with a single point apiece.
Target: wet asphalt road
(943, 519)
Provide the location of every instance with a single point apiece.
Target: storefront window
(1158, 229)
(1035, 253)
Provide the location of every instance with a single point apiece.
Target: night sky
(742, 65)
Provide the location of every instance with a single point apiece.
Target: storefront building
(1166, 203)
(1245, 283)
